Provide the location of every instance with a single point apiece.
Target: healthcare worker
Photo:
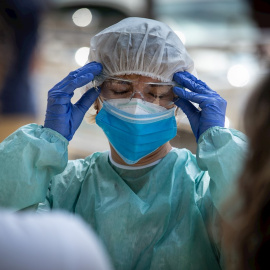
(153, 206)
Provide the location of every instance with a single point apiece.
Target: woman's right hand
(63, 116)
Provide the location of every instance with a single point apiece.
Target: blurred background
(221, 36)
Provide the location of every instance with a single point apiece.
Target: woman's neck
(161, 152)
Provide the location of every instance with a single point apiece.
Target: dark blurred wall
(149, 9)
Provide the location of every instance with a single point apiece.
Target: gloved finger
(187, 107)
(87, 99)
(194, 97)
(76, 83)
(93, 67)
(189, 81)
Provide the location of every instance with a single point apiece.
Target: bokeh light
(81, 55)
(238, 75)
(82, 17)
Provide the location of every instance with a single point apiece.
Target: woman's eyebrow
(148, 83)
(161, 83)
(120, 79)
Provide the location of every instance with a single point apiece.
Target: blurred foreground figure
(247, 227)
(52, 241)
(19, 23)
(247, 230)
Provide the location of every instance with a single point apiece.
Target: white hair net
(140, 46)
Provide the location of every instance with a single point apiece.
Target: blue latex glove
(213, 107)
(63, 116)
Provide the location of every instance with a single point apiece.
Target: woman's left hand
(213, 106)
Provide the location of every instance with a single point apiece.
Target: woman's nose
(137, 94)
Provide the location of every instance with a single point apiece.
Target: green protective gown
(160, 217)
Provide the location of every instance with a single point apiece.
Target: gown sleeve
(64, 188)
(221, 152)
(29, 158)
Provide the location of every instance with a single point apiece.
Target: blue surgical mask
(136, 136)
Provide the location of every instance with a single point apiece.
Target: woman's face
(138, 86)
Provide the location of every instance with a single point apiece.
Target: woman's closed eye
(159, 94)
(120, 92)
(119, 87)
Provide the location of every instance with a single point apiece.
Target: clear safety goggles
(159, 93)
